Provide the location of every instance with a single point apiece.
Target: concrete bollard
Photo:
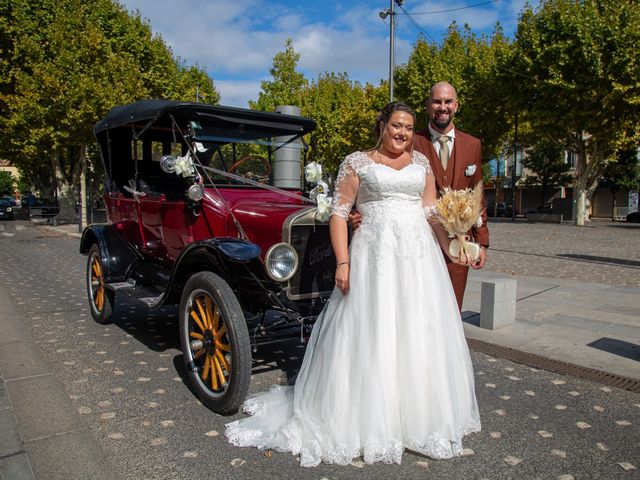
(498, 303)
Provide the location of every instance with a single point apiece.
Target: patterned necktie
(444, 150)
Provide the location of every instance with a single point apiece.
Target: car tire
(215, 343)
(100, 299)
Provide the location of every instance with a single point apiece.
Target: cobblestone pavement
(127, 383)
(603, 252)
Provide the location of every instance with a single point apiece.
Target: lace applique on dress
(420, 159)
(344, 194)
(430, 211)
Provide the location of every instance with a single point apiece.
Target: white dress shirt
(436, 134)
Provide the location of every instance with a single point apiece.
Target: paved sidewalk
(587, 324)
(52, 441)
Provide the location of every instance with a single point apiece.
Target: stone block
(498, 303)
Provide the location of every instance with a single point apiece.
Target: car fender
(118, 256)
(218, 255)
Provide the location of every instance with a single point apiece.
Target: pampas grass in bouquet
(458, 211)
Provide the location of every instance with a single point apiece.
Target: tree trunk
(65, 192)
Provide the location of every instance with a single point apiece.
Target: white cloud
(237, 93)
(236, 40)
(478, 18)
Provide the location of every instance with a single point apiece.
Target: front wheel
(100, 299)
(215, 343)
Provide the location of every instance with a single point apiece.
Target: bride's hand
(465, 260)
(342, 277)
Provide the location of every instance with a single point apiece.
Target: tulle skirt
(387, 366)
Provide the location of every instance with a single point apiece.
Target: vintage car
(206, 210)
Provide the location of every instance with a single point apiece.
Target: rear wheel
(100, 299)
(215, 342)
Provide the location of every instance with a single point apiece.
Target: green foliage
(578, 67)
(6, 183)
(624, 173)
(287, 84)
(470, 64)
(63, 65)
(344, 110)
(547, 165)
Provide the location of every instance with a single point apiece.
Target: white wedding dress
(387, 366)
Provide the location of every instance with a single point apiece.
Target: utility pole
(392, 33)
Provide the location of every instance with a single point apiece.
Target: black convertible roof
(160, 112)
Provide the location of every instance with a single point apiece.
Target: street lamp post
(513, 171)
(392, 14)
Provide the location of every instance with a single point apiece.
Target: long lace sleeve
(429, 195)
(346, 189)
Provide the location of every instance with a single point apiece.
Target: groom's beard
(442, 124)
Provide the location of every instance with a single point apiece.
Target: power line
(416, 24)
(451, 9)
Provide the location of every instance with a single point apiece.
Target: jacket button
(445, 177)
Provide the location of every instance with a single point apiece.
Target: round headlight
(195, 192)
(9, 209)
(281, 262)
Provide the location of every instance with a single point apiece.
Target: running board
(151, 297)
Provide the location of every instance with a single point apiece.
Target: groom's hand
(479, 263)
(355, 219)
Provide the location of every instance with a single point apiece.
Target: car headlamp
(9, 209)
(281, 262)
(195, 192)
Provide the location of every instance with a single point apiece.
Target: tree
(287, 84)
(470, 64)
(6, 183)
(576, 67)
(623, 174)
(546, 161)
(345, 113)
(344, 110)
(63, 66)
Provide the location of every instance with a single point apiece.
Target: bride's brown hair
(385, 114)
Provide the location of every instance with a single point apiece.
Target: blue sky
(235, 41)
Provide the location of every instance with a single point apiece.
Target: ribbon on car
(248, 181)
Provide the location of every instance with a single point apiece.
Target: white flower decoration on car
(319, 193)
(323, 211)
(313, 172)
(470, 170)
(184, 166)
(320, 188)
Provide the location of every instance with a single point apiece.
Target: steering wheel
(262, 177)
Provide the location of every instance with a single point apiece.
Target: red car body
(247, 262)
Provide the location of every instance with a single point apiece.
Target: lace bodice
(361, 180)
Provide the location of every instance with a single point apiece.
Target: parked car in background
(545, 208)
(633, 217)
(7, 209)
(195, 219)
(503, 210)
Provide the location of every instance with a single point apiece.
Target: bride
(387, 365)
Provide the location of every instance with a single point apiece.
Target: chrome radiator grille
(315, 275)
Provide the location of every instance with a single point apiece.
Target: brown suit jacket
(467, 151)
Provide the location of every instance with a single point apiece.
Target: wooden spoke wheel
(100, 299)
(215, 342)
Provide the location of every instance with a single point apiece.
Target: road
(126, 383)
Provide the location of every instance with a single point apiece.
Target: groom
(456, 162)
